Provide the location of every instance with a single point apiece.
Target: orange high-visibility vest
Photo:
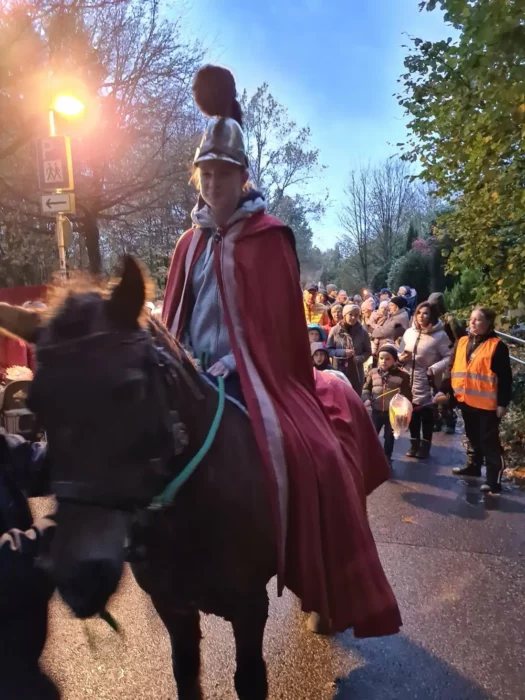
(474, 382)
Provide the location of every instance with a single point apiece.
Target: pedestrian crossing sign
(55, 166)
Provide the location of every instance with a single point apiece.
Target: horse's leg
(185, 635)
(248, 627)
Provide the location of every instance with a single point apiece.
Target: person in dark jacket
(25, 589)
(395, 325)
(349, 344)
(453, 327)
(482, 383)
(382, 384)
(331, 290)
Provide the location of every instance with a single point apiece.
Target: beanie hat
(387, 347)
(438, 300)
(349, 308)
(385, 290)
(400, 302)
(331, 288)
(312, 288)
(368, 304)
(315, 347)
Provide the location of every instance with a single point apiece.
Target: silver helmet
(222, 140)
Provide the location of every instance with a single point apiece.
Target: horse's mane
(69, 306)
(70, 312)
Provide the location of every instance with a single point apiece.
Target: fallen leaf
(407, 519)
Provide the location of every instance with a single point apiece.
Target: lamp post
(69, 107)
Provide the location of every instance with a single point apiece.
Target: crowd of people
(387, 344)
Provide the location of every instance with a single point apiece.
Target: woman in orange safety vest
(482, 384)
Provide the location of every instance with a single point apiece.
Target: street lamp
(69, 107)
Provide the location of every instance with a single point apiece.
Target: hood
(252, 202)
(316, 347)
(317, 327)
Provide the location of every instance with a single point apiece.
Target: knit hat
(400, 302)
(391, 349)
(348, 308)
(438, 300)
(315, 347)
(312, 288)
(331, 288)
(368, 304)
(385, 290)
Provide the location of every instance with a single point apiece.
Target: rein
(167, 496)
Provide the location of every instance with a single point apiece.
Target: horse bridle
(161, 377)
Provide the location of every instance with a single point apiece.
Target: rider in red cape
(229, 275)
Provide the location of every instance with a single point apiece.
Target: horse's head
(99, 392)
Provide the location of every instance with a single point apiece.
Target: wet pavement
(455, 560)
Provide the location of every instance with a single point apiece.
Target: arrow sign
(52, 204)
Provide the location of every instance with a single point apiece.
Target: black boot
(467, 470)
(424, 450)
(414, 448)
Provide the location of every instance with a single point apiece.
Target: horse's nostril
(89, 586)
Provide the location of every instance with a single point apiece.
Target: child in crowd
(315, 333)
(382, 384)
(320, 357)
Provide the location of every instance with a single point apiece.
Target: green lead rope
(167, 496)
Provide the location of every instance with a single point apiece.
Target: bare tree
(356, 219)
(392, 203)
(134, 166)
(282, 162)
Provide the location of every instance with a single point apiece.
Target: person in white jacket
(425, 353)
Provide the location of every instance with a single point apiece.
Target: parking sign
(55, 167)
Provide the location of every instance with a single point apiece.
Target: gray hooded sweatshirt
(206, 334)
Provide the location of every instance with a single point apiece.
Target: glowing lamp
(68, 106)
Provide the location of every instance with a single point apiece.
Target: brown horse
(112, 393)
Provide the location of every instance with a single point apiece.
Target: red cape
(320, 450)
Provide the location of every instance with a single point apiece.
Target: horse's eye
(130, 390)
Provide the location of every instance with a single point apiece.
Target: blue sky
(332, 63)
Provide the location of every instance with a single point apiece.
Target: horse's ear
(128, 297)
(17, 322)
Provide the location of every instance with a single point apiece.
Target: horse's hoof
(318, 626)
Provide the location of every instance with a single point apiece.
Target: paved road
(457, 566)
